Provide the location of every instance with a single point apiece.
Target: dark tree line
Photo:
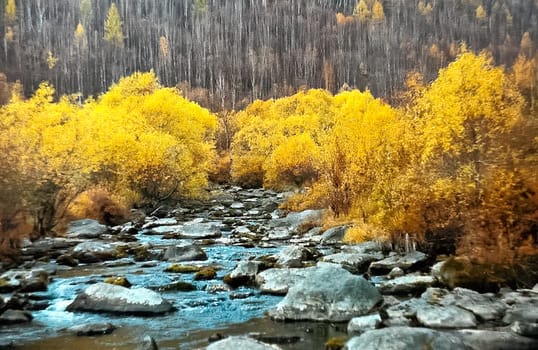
(241, 50)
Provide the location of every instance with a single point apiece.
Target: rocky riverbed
(191, 275)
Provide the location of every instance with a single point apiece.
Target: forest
(398, 117)
(229, 53)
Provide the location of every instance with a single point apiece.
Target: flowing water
(199, 314)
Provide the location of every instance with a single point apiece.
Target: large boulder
(95, 251)
(294, 221)
(407, 284)
(294, 256)
(200, 230)
(486, 307)
(104, 297)
(10, 317)
(328, 293)
(361, 324)
(493, 340)
(92, 329)
(405, 262)
(185, 253)
(24, 281)
(334, 234)
(353, 262)
(404, 338)
(450, 316)
(278, 281)
(244, 273)
(240, 342)
(85, 228)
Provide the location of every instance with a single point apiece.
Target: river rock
(163, 230)
(485, 306)
(49, 246)
(103, 297)
(450, 316)
(495, 340)
(361, 324)
(240, 342)
(10, 317)
(148, 343)
(279, 234)
(278, 281)
(294, 220)
(353, 262)
(370, 247)
(94, 251)
(185, 253)
(407, 284)
(35, 280)
(404, 338)
(198, 230)
(334, 234)
(85, 228)
(328, 293)
(405, 262)
(525, 329)
(160, 222)
(244, 273)
(293, 256)
(527, 313)
(67, 260)
(92, 329)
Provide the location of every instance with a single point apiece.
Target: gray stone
(353, 262)
(405, 262)
(370, 247)
(485, 306)
(334, 234)
(406, 284)
(237, 205)
(449, 316)
(396, 272)
(92, 329)
(244, 273)
(525, 329)
(10, 317)
(85, 228)
(527, 313)
(240, 342)
(279, 234)
(278, 281)
(196, 230)
(405, 338)
(328, 293)
(160, 222)
(293, 256)
(163, 230)
(358, 325)
(494, 340)
(94, 251)
(294, 220)
(185, 253)
(104, 297)
(148, 343)
(35, 280)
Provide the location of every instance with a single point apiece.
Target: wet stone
(93, 329)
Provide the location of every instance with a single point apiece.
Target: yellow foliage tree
(11, 11)
(149, 140)
(378, 13)
(266, 125)
(113, 27)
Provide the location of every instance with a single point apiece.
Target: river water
(200, 313)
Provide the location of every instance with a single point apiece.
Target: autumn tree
(11, 11)
(378, 14)
(113, 27)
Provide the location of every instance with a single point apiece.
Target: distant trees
(243, 50)
(113, 27)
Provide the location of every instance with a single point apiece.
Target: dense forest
(234, 52)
